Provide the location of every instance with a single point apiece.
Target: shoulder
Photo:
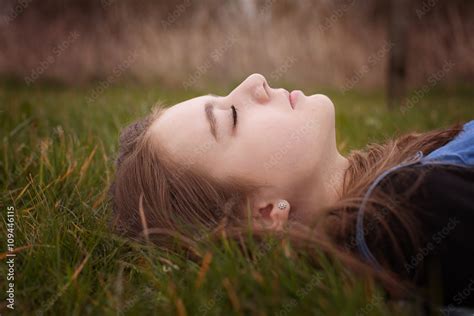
(436, 183)
(438, 193)
(443, 202)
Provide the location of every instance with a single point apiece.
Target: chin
(322, 109)
(320, 117)
(322, 101)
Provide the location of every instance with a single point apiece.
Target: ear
(272, 214)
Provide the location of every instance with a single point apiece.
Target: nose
(254, 88)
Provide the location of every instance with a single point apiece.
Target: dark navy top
(448, 192)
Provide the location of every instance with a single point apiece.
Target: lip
(294, 97)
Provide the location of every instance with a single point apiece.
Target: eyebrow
(211, 118)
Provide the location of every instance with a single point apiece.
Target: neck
(324, 187)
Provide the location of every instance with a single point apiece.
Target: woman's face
(278, 139)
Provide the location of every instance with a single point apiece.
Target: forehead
(183, 131)
(180, 110)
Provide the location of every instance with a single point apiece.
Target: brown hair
(156, 199)
(388, 214)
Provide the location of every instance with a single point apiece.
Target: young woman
(269, 157)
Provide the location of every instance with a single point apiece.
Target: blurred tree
(398, 23)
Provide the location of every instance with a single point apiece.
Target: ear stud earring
(282, 205)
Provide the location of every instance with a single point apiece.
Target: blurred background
(74, 73)
(185, 44)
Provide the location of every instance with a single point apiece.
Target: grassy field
(56, 162)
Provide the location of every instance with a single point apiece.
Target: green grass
(56, 162)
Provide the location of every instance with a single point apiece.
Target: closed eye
(234, 115)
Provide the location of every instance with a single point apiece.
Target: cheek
(276, 143)
(302, 142)
(274, 146)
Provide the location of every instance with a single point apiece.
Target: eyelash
(234, 115)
